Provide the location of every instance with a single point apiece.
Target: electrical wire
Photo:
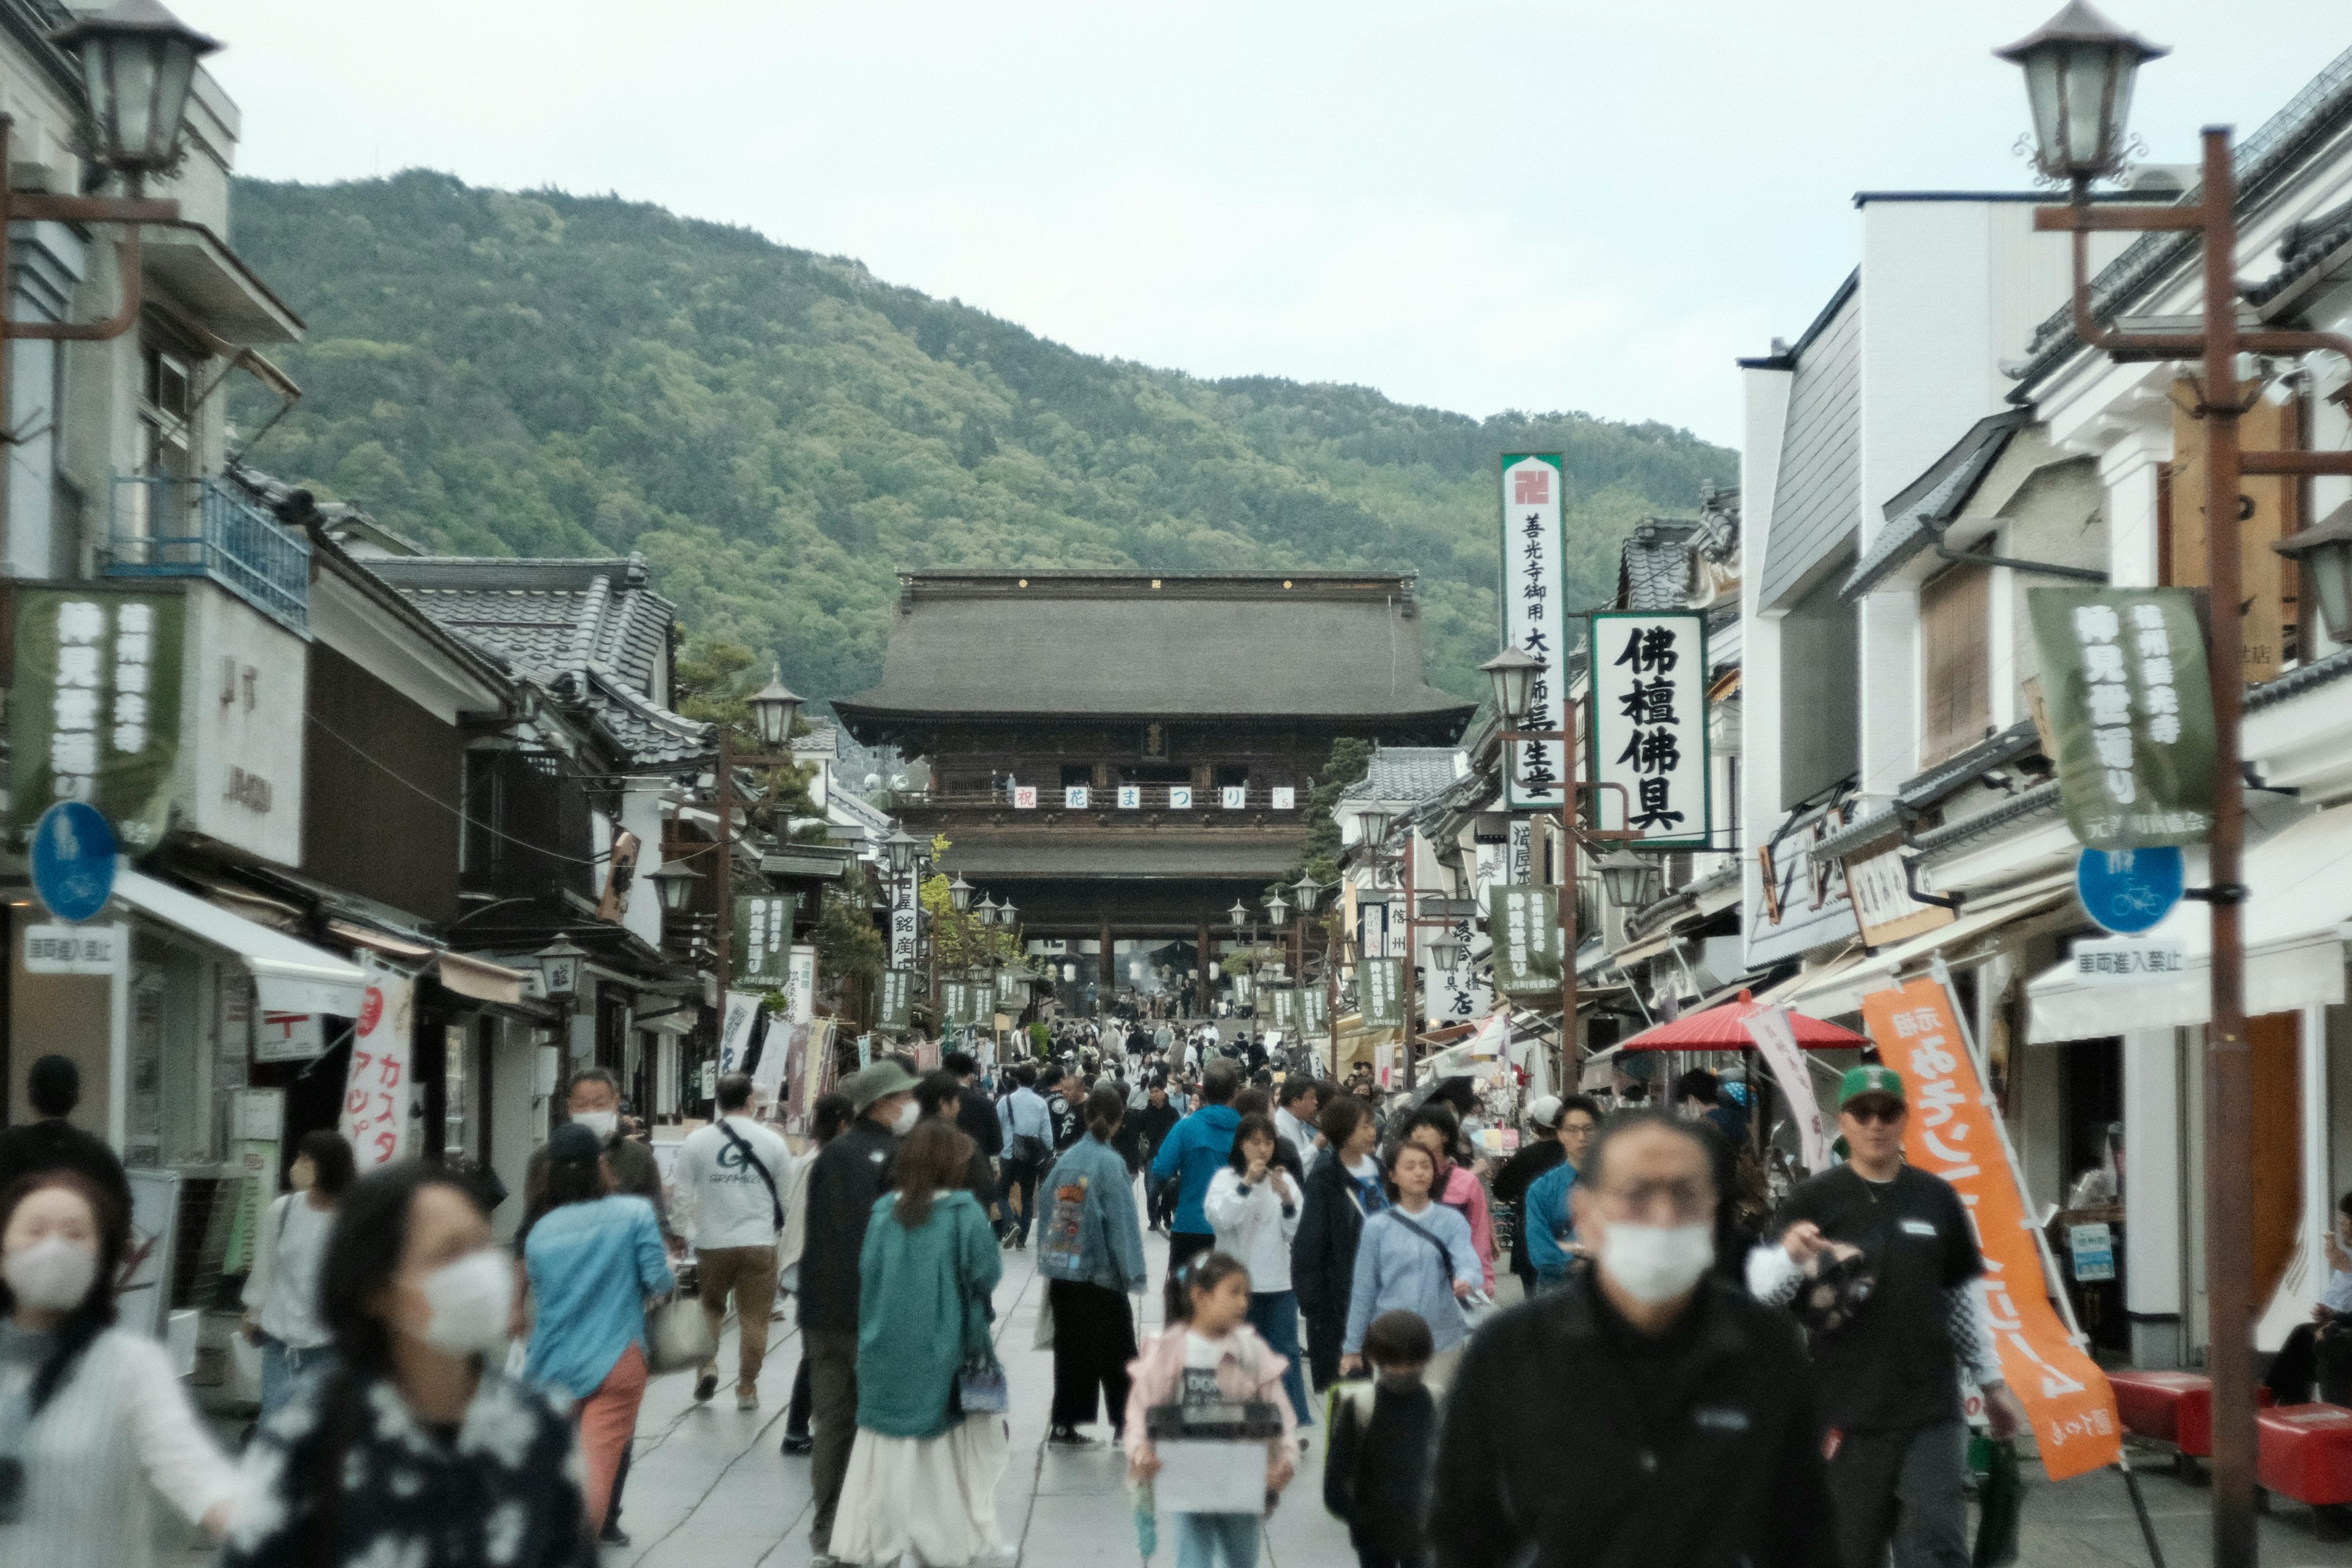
(360, 751)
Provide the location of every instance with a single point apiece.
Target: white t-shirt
(1201, 1355)
(292, 1243)
(722, 1199)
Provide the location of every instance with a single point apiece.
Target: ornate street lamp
(1373, 820)
(138, 62)
(1446, 949)
(1511, 679)
(1277, 910)
(559, 969)
(985, 909)
(674, 882)
(959, 893)
(1307, 891)
(1630, 880)
(1006, 915)
(2079, 68)
(2324, 554)
(773, 708)
(1239, 914)
(900, 847)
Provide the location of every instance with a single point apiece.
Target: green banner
(1379, 991)
(94, 715)
(1524, 922)
(1286, 1008)
(896, 1002)
(2130, 706)
(760, 941)
(1313, 1009)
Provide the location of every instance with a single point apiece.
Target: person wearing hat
(1888, 1373)
(845, 1182)
(1538, 1153)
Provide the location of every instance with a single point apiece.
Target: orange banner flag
(1953, 1132)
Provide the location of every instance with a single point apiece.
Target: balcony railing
(164, 526)
(1150, 797)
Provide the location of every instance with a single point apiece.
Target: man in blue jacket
(1194, 1152)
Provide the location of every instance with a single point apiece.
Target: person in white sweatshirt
(1254, 1207)
(731, 1181)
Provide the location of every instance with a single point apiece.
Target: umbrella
(1725, 1028)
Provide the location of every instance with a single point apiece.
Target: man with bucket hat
(1880, 1261)
(849, 1176)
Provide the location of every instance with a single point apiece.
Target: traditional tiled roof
(1916, 518)
(1653, 565)
(1404, 775)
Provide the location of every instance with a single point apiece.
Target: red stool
(2175, 1407)
(2305, 1454)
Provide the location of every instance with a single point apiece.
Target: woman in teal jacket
(922, 1473)
(1092, 1257)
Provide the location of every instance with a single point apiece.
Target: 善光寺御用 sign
(94, 715)
(1524, 924)
(2131, 712)
(1536, 622)
(1379, 991)
(897, 1002)
(762, 937)
(1648, 734)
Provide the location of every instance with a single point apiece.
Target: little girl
(1209, 1354)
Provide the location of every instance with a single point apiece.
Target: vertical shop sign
(1648, 726)
(897, 999)
(94, 715)
(1524, 924)
(1381, 982)
(2131, 709)
(377, 1088)
(761, 931)
(1535, 620)
(735, 1029)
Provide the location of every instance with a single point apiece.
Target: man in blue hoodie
(1196, 1150)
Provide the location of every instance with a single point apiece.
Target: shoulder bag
(1477, 1307)
(979, 1385)
(774, 1201)
(677, 1335)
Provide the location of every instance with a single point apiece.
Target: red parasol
(1723, 1027)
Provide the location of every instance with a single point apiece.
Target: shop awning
(477, 978)
(289, 977)
(1840, 991)
(2301, 882)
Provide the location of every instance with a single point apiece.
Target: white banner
(800, 992)
(1534, 620)
(1460, 997)
(735, 1029)
(376, 1089)
(1522, 864)
(1649, 725)
(1769, 1027)
(906, 937)
(775, 1050)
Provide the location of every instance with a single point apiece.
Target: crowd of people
(429, 1397)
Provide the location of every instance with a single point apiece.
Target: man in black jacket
(1645, 1413)
(1147, 1129)
(975, 1114)
(54, 1085)
(1540, 1152)
(848, 1176)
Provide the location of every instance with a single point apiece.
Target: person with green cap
(1886, 1259)
(847, 1177)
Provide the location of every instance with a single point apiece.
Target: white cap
(1544, 1111)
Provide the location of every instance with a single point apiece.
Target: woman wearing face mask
(411, 1450)
(1415, 1256)
(282, 1294)
(90, 1414)
(593, 1256)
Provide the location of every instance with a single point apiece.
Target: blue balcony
(169, 527)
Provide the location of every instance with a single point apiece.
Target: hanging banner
(1953, 1131)
(1380, 986)
(896, 1002)
(376, 1087)
(1535, 620)
(778, 1041)
(953, 1003)
(1524, 923)
(906, 932)
(1313, 1009)
(735, 1029)
(2131, 712)
(1519, 864)
(1286, 1008)
(1648, 726)
(800, 985)
(1769, 1027)
(1460, 997)
(94, 715)
(759, 938)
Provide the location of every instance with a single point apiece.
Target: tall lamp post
(2079, 70)
(773, 708)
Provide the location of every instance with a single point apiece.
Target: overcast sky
(1481, 207)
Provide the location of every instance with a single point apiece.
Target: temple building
(1124, 755)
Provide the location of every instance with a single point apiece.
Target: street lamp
(2079, 68)
(1511, 677)
(559, 969)
(1446, 949)
(1630, 880)
(138, 61)
(1277, 910)
(1309, 892)
(1239, 914)
(2324, 554)
(773, 708)
(1373, 820)
(1006, 915)
(674, 882)
(900, 847)
(985, 909)
(959, 894)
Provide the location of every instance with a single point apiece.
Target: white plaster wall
(1767, 414)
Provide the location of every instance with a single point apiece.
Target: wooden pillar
(1204, 995)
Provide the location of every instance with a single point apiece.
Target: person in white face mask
(1645, 1412)
(90, 1412)
(412, 1447)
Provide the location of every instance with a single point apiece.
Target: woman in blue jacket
(1092, 1257)
(1415, 1256)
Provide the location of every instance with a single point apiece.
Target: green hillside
(781, 432)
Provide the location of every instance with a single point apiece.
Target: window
(1077, 775)
(165, 409)
(1955, 664)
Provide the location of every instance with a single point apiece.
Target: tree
(713, 683)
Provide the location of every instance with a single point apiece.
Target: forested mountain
(781, 432)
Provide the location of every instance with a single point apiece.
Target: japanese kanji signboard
(2131, 708)
(95, 713)
(376, 1089)
(1953, 1132)
(760, 936)
(1648, 726)
(1524, 925)
(897, 999)
(1379, 988)
(1534, 621)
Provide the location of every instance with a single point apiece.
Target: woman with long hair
(1343, 1190)
(1415, 1256)
(923, 1472)
(282, 1293)
(91, 1414)
(1092, 1258)
(593, 1256)
(1254, 1207)
(412, 1447)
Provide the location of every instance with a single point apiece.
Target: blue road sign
(2128, 890)
(73, 860)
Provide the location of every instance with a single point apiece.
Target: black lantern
(2324, 554)
(1511, 680)
(559, 968)
(2079, 68)
(674, 882)
(138, 62)
(773, 708)
(1630, 880)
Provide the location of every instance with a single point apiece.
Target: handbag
(677, 1335)
(1477, 1307)
(979, 1385)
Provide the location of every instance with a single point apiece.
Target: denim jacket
(1090, 1231)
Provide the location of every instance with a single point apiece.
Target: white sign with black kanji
(1648, 726)
(1534, 621)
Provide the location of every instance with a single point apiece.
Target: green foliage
(1350, 760)
(848, 947)
(779, 433)
(713, 682)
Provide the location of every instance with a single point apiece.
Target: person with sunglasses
(1883, 1262)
